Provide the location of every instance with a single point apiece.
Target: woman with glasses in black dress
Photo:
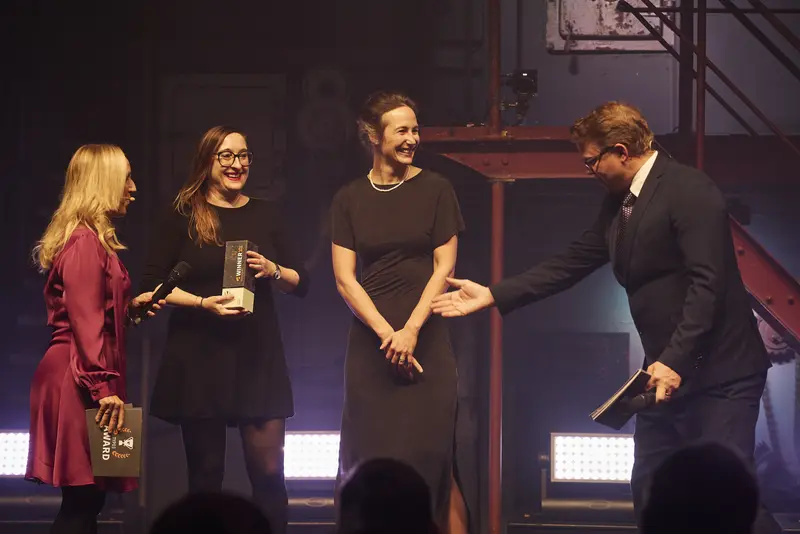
(224, 366)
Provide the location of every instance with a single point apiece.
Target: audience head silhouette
(706, 489)
(385, 496)
(215, 513)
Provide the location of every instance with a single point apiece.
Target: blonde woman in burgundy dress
(88, 301)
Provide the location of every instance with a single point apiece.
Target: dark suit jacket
(678, 266)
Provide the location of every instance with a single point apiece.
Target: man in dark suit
(664, 227)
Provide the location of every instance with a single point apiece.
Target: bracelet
(200, 305)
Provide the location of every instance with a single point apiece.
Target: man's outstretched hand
(469, 298)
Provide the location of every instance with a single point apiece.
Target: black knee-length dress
(230, 369)
(394, 234)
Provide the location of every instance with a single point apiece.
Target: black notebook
(627, 401)
(117, 455)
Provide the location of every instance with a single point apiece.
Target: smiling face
(230, 165)
(400, 137)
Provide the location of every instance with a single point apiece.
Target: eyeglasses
(591, 162)
(227, 157)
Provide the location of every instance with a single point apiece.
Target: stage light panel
(606, 458)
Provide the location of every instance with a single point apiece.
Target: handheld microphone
(642, 401)
(176, 275)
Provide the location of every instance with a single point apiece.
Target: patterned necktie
(624, 216)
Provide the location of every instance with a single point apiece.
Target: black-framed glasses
(227, 157)
(591, 162)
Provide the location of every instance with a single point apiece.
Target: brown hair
(191, 200)
(612, 123)
(370, 121)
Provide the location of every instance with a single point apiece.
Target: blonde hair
(191, 200)
(613, 123)
(93, 189)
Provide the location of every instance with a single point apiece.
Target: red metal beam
(775, 293)
(485, 134)
(545, 152)
(506, 166)
(496, 368)
(493, 26)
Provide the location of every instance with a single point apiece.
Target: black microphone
(176, 275)
(642, 401)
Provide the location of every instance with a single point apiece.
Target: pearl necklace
(376, 188)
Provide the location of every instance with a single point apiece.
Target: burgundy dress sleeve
(84, 276)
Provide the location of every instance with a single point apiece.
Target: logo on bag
(112, 443)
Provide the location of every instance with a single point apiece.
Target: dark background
(153, 76)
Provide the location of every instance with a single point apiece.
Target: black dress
(213, 367)
(395, 233)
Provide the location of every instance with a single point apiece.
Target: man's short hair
(612, 123)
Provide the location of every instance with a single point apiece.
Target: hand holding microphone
(176, 275)
(142, 300)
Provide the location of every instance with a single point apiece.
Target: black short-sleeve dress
(230, 369)
(394, 234)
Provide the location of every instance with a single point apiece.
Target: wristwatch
(277, 274)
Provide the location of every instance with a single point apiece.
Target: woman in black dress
(400, 371)
(224, 366)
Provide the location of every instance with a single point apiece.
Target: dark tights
(79, 508)
(204, 442)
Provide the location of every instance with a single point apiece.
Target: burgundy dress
(86, 294)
